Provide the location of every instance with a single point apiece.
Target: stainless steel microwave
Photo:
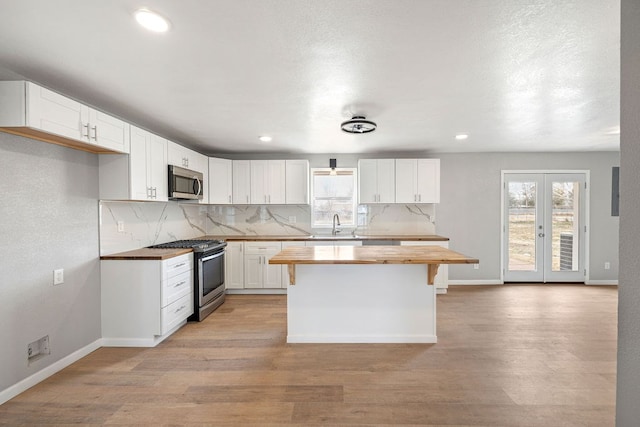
(184, 184)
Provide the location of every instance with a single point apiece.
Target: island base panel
(380, 303)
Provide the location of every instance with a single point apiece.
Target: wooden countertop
(285, 238)
(370, 255)
(147, 254)
(432, 256)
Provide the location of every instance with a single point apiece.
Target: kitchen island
(363, 294)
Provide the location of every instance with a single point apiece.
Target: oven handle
(219, 254)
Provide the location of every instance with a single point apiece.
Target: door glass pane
(564, 226)
(522, 226)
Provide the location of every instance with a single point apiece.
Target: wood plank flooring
(512, 355)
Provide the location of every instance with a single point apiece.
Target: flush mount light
(265, 138)
(462, 136)
(358, 124)
(152, 21)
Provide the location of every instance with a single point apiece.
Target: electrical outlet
(607, 265)
(120, 226)
(58, 276)
(476, 266)
(292, 219)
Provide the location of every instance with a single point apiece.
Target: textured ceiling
(516, 75)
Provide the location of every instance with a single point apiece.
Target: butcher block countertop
(347, 237)
(370, 255)
(148, 254)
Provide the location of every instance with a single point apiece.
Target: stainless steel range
(208, 273)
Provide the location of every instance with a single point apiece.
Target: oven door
(210, 277)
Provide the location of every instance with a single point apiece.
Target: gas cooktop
(198, 245)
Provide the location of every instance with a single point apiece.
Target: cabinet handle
(180, 309)
(95, 133)
(229, 198)
(148, 192)
(179, 284)
(155, 194)
(179, 265)
(86, 126)
(259, 260)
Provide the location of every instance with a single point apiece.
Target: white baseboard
(43, 374)
(476, 282)
(601, 282)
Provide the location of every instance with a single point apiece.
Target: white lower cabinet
(234, 265)
(258, 273)
(441, 280)
(334, 243)
(145, 301)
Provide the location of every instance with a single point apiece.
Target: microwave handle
(199, 191)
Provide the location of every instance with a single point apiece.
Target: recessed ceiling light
(152, 21)
(265, 138)
(462, 136)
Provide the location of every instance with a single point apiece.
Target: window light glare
(266, 138)
(152, 21)
(462, 136)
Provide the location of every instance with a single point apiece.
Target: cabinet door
(241, 182)
(234, 266)
(220, 181)
(276, 173)
(177, 155)
(108, 131)
(272, 272)
(406, 177)
(253, 271)
(386, 178)
(57, 114)
(367, 180)
(297, 182)
(258, 182)
(200, 163)
(428, 180)
(138, 156)
(157, 168)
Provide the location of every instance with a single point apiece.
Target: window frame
(354, 203)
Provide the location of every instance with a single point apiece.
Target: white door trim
(587, 210)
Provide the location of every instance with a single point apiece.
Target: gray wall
(628, 390)
(48, 220)
(469, 209)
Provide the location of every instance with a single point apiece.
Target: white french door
(544, 227)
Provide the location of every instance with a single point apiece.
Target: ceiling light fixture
(462, 136)
(358, 124)
(152, 21)
(266, 138)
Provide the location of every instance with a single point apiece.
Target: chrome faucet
(336, 218)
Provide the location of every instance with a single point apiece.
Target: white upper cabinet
(268, 182)
(376, 181)
(241, 182)
(141, 175)
(33, 111)
(220, 181)
(297, 182)
(417, 180)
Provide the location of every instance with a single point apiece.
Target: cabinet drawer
(176, 312)
(261, 248)
(176, 287)
(176, 265)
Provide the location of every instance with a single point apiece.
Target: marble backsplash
(149, 223)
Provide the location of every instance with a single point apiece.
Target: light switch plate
(58, 276)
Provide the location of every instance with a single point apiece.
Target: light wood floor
(512, 355)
